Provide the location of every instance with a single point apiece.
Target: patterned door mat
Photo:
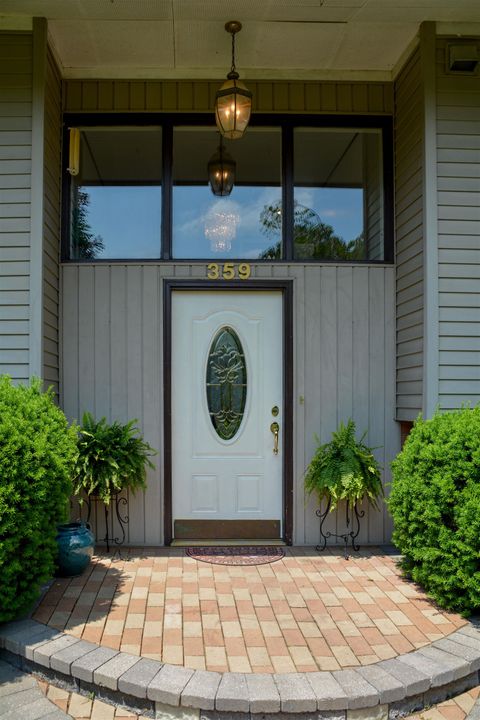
(237, 555)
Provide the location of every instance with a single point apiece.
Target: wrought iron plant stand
(115, 503)
(349, 536)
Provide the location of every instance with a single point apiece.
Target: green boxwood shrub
(435, 504)
(37, 453)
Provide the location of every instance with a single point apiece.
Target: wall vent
(464, 58)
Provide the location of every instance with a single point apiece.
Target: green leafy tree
(86, 245)
(313, 238)
(37, 455)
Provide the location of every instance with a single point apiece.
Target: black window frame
(287, 124)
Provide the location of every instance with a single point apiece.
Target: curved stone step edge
(405, 683)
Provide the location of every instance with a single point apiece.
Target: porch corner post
(430, 222)
(37, 200)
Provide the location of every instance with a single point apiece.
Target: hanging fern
(344, 469)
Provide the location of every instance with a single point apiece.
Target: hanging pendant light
(221, 172)
(233, 102)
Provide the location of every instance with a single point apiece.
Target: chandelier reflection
(221, 226)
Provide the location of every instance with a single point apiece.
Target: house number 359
(228, 271)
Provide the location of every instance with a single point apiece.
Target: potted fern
(111, 458)
(344, 469)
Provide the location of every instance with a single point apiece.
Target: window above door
(115, 199)
(306, 189)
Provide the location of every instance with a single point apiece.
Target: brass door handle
(275, 427)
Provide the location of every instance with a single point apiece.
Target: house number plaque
(228, 271)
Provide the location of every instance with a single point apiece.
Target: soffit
(183, 39)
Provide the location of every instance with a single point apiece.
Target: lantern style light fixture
(233, 102)
(221, 172)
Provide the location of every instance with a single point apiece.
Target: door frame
(286, 288)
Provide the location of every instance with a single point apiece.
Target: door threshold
(226, 543)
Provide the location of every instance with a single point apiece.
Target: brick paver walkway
(303, 613)
(21, 699)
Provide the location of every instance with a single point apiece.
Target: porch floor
(305, 612)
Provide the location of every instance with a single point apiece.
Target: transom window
(338, 194)
(206, 226)
(115, 200)
(306, 189)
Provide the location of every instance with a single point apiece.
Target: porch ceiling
(185, 39)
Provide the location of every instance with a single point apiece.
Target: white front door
(226, 393)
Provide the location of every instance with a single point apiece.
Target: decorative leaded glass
(226, 383)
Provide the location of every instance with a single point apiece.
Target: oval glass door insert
(226, 383)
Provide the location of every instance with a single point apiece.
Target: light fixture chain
(233, 53)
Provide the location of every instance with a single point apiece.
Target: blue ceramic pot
(75, 548)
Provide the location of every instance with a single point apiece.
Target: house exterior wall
(348, 319)
(344, 318)
(437, 163)
(16, 52)
(30, 146)
(344, 366)
(458, 192)
(409, 237)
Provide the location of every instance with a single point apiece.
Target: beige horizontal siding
(15, 189)
(178, 96)
(458, 170)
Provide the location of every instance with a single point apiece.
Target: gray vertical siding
(51, 222)
(15, 197)
(409, 154)
(458, 183)
(344, 366)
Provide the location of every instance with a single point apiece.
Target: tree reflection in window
(86, 245)
(226, 383)
(313, 238)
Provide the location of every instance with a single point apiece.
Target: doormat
(237, 555)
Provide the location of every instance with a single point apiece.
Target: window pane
(116, 197)
(246, 224)
(338, 209)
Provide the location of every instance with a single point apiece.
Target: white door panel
(240, 477)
